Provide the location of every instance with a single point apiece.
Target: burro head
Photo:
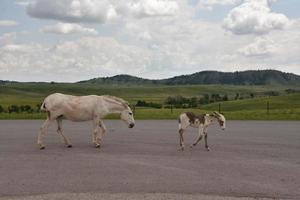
(127, 117)
(221, 119)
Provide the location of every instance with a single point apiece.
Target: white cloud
(8, 23)
(254, 16)
(146, 42)
(67, 28)
(7, 38)
(209, 4)
(96, 11)
(262, 46)
(144, 8)
(14, 48)
(73, 10)
(23, 2)
(86, 57)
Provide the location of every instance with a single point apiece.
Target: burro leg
(96, 134)
(42, 132)
(60, 132)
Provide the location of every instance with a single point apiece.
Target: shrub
(13, 108)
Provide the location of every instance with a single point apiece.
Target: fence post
(268, 107)
(171, 108)
(219, 107)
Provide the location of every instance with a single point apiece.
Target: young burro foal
(202, 122)
(83, 108)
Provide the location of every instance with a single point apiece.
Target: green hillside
(250, 77)
(34, 93)
(286, 106)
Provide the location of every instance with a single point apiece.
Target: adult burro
(201, 122)
(82, 108)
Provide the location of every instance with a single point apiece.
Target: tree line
(20, 109)
(184, 102)
(179, 101)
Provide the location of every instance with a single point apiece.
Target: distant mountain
(251, 77)
(5, 82)
(119, 80)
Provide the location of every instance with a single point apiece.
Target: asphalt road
(250, 159)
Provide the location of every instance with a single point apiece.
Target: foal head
(127, 116)
(221, 119)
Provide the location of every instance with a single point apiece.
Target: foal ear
(215, 113)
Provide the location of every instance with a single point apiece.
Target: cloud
(67, 28)
(14, 48)
(86, 57)
(262, 46)
(209, 4)
(7, 38)
(254, 17)
(8, 23)
(23, 3)
(152, 47)
(96, 11)
(148, 8)
(73, 10)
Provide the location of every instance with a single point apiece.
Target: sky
(73, 40)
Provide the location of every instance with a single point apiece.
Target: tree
(215, 97)
(237, 96)
(38, 107)
(204, 99)
(13, 108)
(193, 102)
(225, 97)
(141, 103)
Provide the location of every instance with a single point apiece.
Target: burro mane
(119, 100)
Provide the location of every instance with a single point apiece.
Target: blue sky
(72, 40)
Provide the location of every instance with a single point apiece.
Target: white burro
(82, 108)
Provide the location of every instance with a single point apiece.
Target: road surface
(250, 159)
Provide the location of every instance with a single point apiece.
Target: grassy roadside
(279, 114)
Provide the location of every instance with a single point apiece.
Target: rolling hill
(251, 77)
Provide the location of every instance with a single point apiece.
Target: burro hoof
(181, 149)
(41, 147)
(69, 146)
(207, 149)
(97, 145)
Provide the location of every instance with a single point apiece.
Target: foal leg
(205, 139)
(59, 131)
(181, 141)
(42, 133)
(200, 135)
(182, 126)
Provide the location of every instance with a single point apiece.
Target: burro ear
(216, 114)
(130, 106)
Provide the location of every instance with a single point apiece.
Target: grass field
(283, 107)
(34, 93)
